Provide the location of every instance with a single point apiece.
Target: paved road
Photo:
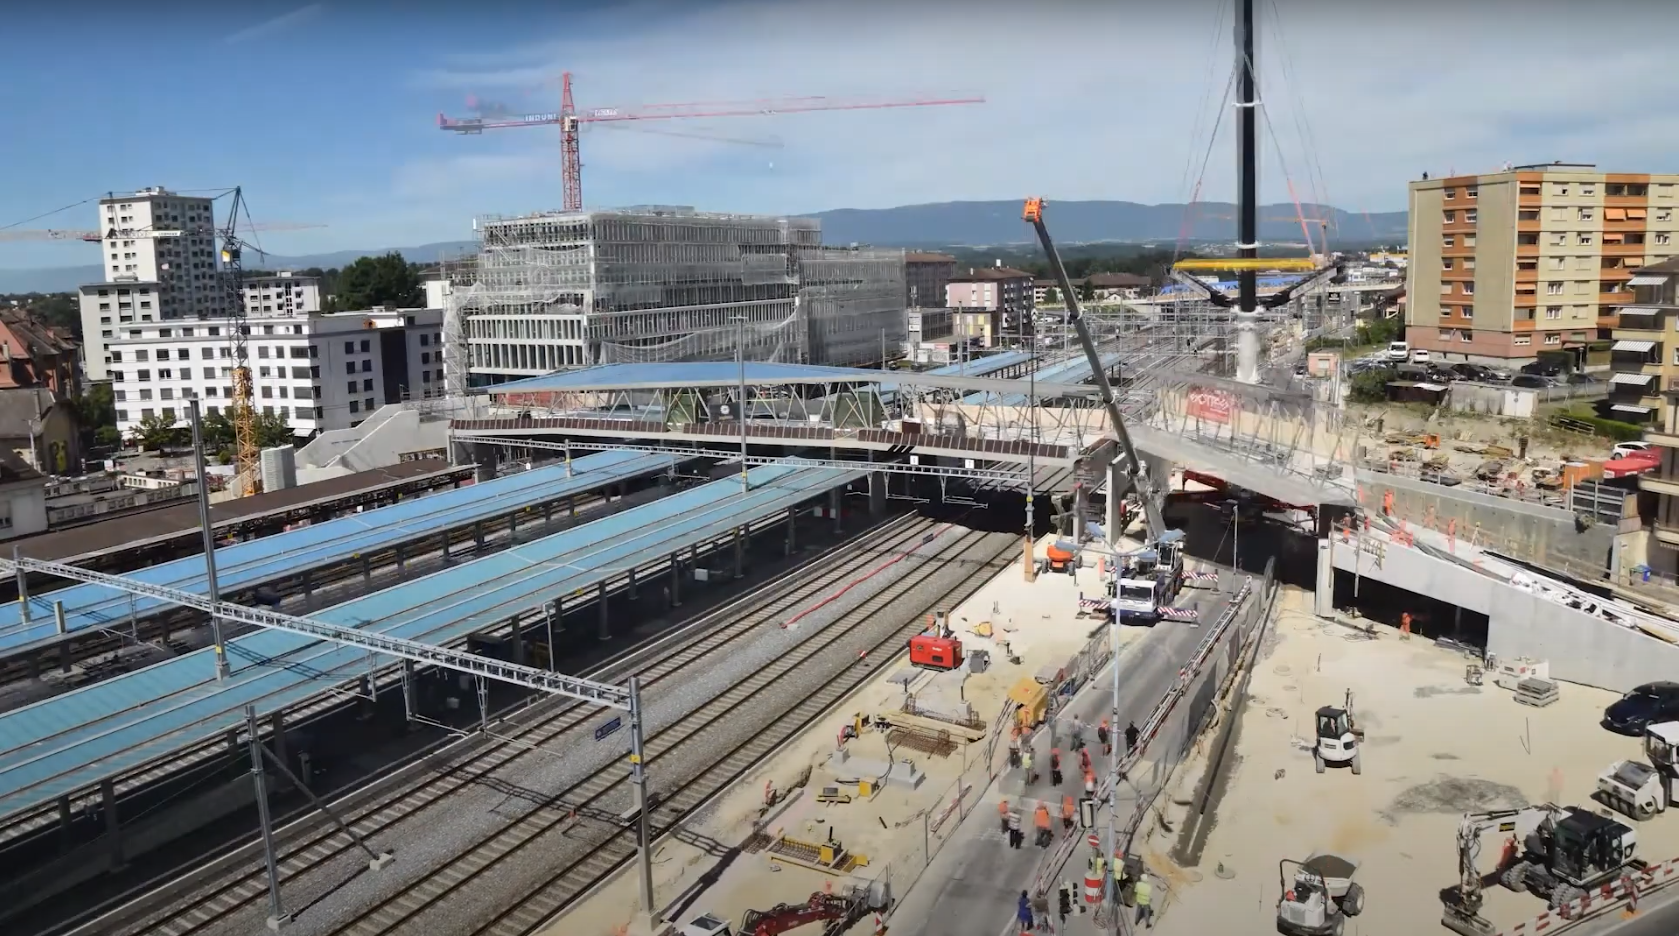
(973, 886)
(1657, 918)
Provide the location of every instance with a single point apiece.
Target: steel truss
(995, 475)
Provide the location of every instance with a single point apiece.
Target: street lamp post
(740, 404)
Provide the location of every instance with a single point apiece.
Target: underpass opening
(1431, 618)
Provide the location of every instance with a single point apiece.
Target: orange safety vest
(1066, 807)
(1003, 809)
(1040, 817)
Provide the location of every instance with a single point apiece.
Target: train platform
(1075, 370)
(135, 540)
(152, 720)
(287, 555)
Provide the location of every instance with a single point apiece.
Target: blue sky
(326, 112)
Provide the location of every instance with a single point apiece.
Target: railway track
(607, 845)
(244, 886)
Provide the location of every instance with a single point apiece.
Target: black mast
(1247, 157)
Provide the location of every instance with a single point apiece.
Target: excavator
(1553, 851)
(1144, 595)
(838, 911)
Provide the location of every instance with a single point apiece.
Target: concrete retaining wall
(1495, 401)
(1542, 535)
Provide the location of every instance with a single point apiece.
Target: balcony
(1663, 486)
(1663, 439)
(1667, 536)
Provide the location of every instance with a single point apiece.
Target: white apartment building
(285, 294)
(166, 277)
(320, 371)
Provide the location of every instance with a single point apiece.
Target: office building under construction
(656, 284)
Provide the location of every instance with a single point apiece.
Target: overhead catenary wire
(1303, 126)
(1190, 192)
(1206, 159)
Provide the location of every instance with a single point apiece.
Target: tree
(217, 429)
(274, 430)
(1087, 292)
(96, 408)
(379, 281)
(1370, 386)
(155, 432)
(1052, 296)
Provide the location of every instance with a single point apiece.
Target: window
(267, 392)
(1447, 242)
(144, 376)
(1466, 335)
(1664, 214)
(367, 405)
(1586, 214)
(209, 373)
(1528, 190)
(1445, 289)
(1553, 312)
(1469, 263)
(366, 365)
(1559, 213)
(1468, 240)
(425, 375)
(1523, 340)
(1451, 217)
(303, 412)
(424, 339)
(122, 415)
(1471, 216)
(1553, 289)
(365, 346)
(262, 351)
(351, 388)
(1446, 264)
(1553, 339)
(1451, 193)
(1561, 188)
(349, 347)
(1468, 311)
(355, 407)
(1664, 190)
(1559, 240)
(116, 357)
(366, 386)
(264, 372)
(167, 393)
(425, 357)
(349, 367)
(1663, 238)
(1554, 263)
(145, 393)
(1588, 190)
(1585, 240)
(1469, 289)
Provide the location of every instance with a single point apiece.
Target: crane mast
(1034, 213)
(247, 456)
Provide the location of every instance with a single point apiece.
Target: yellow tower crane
(247, 478)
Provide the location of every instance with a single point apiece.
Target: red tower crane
(569, 120)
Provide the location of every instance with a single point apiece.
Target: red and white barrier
(1623, 890)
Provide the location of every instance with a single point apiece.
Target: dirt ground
(1039, 621)
(1462, 435)
(1435, 748)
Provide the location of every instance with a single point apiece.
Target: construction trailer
(660, 284)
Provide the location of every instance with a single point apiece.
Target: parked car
(1533, 381)
(1580, 377)
(1442, 375)
(1398, 350)
(1419, 355)
(1544, 369)
(1627, 448)
(1477, 372)
(1644, 705)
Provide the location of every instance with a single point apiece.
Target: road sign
(607, 729)
(1087, 813)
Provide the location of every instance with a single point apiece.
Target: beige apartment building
(1646, 379)
(1535, 258)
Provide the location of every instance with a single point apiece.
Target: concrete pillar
(605, 626)
(512, 523)
(478, 533)
(877, 493)
(675, 580)
(547, 513)
(401, 566)
(113, 823)
(64, 819)
(516, 639)
(445, 545)
(792, 522)
(1079, 506)
(366, 569)
(485, 456)
(571, 506)
(307, 583)
(1116, 498)
(740, 551)
(633, 594)
(1323, 599)
(834, 507)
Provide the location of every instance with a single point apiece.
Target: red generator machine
(937, 648)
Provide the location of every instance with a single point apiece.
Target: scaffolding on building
(662, 284)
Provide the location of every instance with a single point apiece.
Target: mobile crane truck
(1161, 590)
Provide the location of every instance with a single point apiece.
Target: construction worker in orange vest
(1040, 819)
(1067, 813)
(1405, 626)
(1089, 782)
(1055, 766)
(1084, 759)
(1003, 814)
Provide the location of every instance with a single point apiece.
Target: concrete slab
(1435, 749)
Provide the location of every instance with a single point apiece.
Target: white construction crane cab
(1551, 851)
(1641, 790)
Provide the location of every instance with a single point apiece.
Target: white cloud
(271, 26)
(1084, 100)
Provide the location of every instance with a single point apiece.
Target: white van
(1399, 351)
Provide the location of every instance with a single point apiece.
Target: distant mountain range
(946, 224)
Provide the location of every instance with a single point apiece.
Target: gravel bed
(324, 900)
